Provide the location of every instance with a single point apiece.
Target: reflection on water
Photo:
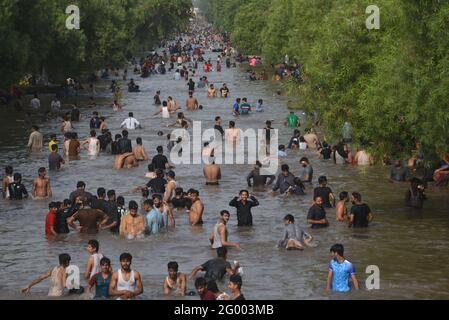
(409, 247)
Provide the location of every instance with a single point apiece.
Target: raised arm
(46, 275)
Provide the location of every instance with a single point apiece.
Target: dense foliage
(391, 84)
(34, 36)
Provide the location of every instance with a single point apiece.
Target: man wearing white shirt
(35, 103)
(131, 123)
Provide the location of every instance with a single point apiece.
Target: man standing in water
(307, 172)
(285, 180)
(317, 215)
(57, 277)
(361, 214)
(7, 179)
(340, 271)
(324, 192)
(35, 141)
(341, 212)
(197, 208)
(243, 205)
(292, 120)
(212, 173)
(89, 219)
(93, 144)
(132, 225)
(192, 102)
(125, 283)
(258, 179)
(41, 186)
(219, 236)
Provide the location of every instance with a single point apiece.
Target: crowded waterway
(407, 246)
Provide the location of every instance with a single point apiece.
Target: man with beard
(125, 283)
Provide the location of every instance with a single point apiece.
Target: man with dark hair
(94, 121)
(100, 203)
(196, 209)
(41, 185)
(139, 150)
(93, 262)
(35, 142)
(294, 236)
(132, 225)
(317, 215)
(340, 270)
(65, 212)
(285, 180)
(219, 236)
(160, 161)
(258, 179)
(124, 144)
(102, 280)
(89, 219)
(216, 269)
(361, 214)
(341, 211)
(307, 173)
(235, 285)
(175, 282)
(111, 208)
(54, 159)
(131, 123)
(7, 179)
(218, 126)
(57, 277)
(243, 205)
(17, 190)
(125, 283)
(157, 185)
(203, 292)
(324, 192)
(79, 192)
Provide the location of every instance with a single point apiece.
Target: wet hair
(232, 124)
(260, 101)
(125, 133)
(179, 191)
(145, 192)
(80, 184)
(148, 202)
(105, 261)
(164, 103)
(51, 205)
(120, 200)
(8, 170)
(245, 99)
(159, 173)
(101, 192)
(285, 167)
(268, 123)
(133, 205)
(241, 191)
(126, 257)
(151, 167)
(111, 193)
(322, 179)
(301, 139)
(316, 197)
(237, 279)
(53, 136)
(338, 248)
(93, 133)
(304, 159)
(95, 113)
(118, 136)
(54, 147)
(159, 149)
(196, 192)
(217, 118)
(64, 259)
(343, 195)
(66, 202)
(139, 140)
(173, 265)
(41, 169)
(289, 218)
(223, 212)
(281, 147)
(171, 174)
(357, 196)
(157, 196)
(221, 252)
(131, 114)
(94, 244)
(200, 107)
(238, 100)
(200, 282)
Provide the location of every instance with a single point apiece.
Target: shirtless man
(197, 208)
(192, 102)
(212, 173)
(139, 151)
(41, 186)
(232, 135)
(126, 160)
(7, 180)
(341, 212)
(172, 105)
(311, 139)
(170, 187)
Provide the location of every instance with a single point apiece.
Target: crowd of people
(161, 196)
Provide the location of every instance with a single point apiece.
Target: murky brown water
(409, 248)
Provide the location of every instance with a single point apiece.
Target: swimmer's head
(8, 170)
(111, 194)
(356, 197)
(344, 196)
(318, 200)
(304, 161)
(105, 264)
(225, 215)
(171, 174)
(160, 149)
(172, 268)
(120, 201)
(125, 261)
(285, 169)
(289, 219)
(151, 167)
(125, 133)
(101, 192)
(147, 205)
(133, 207)
(222, 252)
(281, 147)
(139, 141)
(64, 260)
(235, 282)
(322, 180)
(200, 107)
(179, 191)
(118, 136)
(337, 250)
(231, 124)
(145, 192)
(93, 246)
(160, 133)
(41, 172)
(53, 137)
(201, 285)
(164, 103)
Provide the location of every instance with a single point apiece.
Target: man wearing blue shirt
(153, 218)
(340, 270)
